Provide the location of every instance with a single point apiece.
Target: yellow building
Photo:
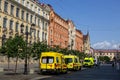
(20, 16)
(111, 53)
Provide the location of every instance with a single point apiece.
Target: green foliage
(104, 58)
(16, 47)
(38, 48)
(101, 58)
(12, 46)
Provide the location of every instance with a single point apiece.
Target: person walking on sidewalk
(117, 65)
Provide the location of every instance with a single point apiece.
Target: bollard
(31, 71)
(1, 69)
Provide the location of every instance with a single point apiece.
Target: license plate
(44, 70)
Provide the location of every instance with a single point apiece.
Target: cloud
(106, 45)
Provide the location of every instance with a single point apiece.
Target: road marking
(41, 77)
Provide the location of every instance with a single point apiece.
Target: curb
(37, 78)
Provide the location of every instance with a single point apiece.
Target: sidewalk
(10, 75)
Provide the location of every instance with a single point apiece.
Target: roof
(106, 50)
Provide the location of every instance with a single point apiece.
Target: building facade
(20, 16)
(111, 53)
(58, 31)
(86, 41)
(71, 31)
(79, 40)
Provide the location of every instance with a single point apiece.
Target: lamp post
(25, 65)
(26, 55)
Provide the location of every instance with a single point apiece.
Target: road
(105, 72)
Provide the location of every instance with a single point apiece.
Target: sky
(100, 17)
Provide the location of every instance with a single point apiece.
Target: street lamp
(25, 66)
(26, 56)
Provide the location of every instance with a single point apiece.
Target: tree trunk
(8, 62)
(28, 63)
(16, 64)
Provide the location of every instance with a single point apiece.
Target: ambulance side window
(76, 60)
(57, 60)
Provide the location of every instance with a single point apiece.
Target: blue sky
(100, 17)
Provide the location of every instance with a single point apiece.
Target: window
(22, 15)
(12, 10)
(18, 0)
(47, 60)
(38, 34)
(11, 24)
(43, 25)
(4, 22)
(57, 60)
(27, 16)
(32, 7)
(38, 11)
(27, 4)
(26, 28)
(39, 22)
(68, 60)
(23, 2)
(35, 19)
(22, 29)
(17, 24)
(17, 12)
(43, 36)
(86, 60)
(75, 60)
(31, 18)
(34, 33)
(0, 4)
(35, 9)
(6, 6)
(43, 13)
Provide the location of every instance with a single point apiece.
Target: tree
(6, 50)
(101, 58)
(106, 59)
(18, 48)
(38, 48)
(11, 48)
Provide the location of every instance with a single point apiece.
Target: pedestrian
(113, 64)
(117, 66)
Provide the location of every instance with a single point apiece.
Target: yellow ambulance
(73, 62)
(52, 62)
(88, 62)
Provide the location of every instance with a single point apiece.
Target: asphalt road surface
(104, 72)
